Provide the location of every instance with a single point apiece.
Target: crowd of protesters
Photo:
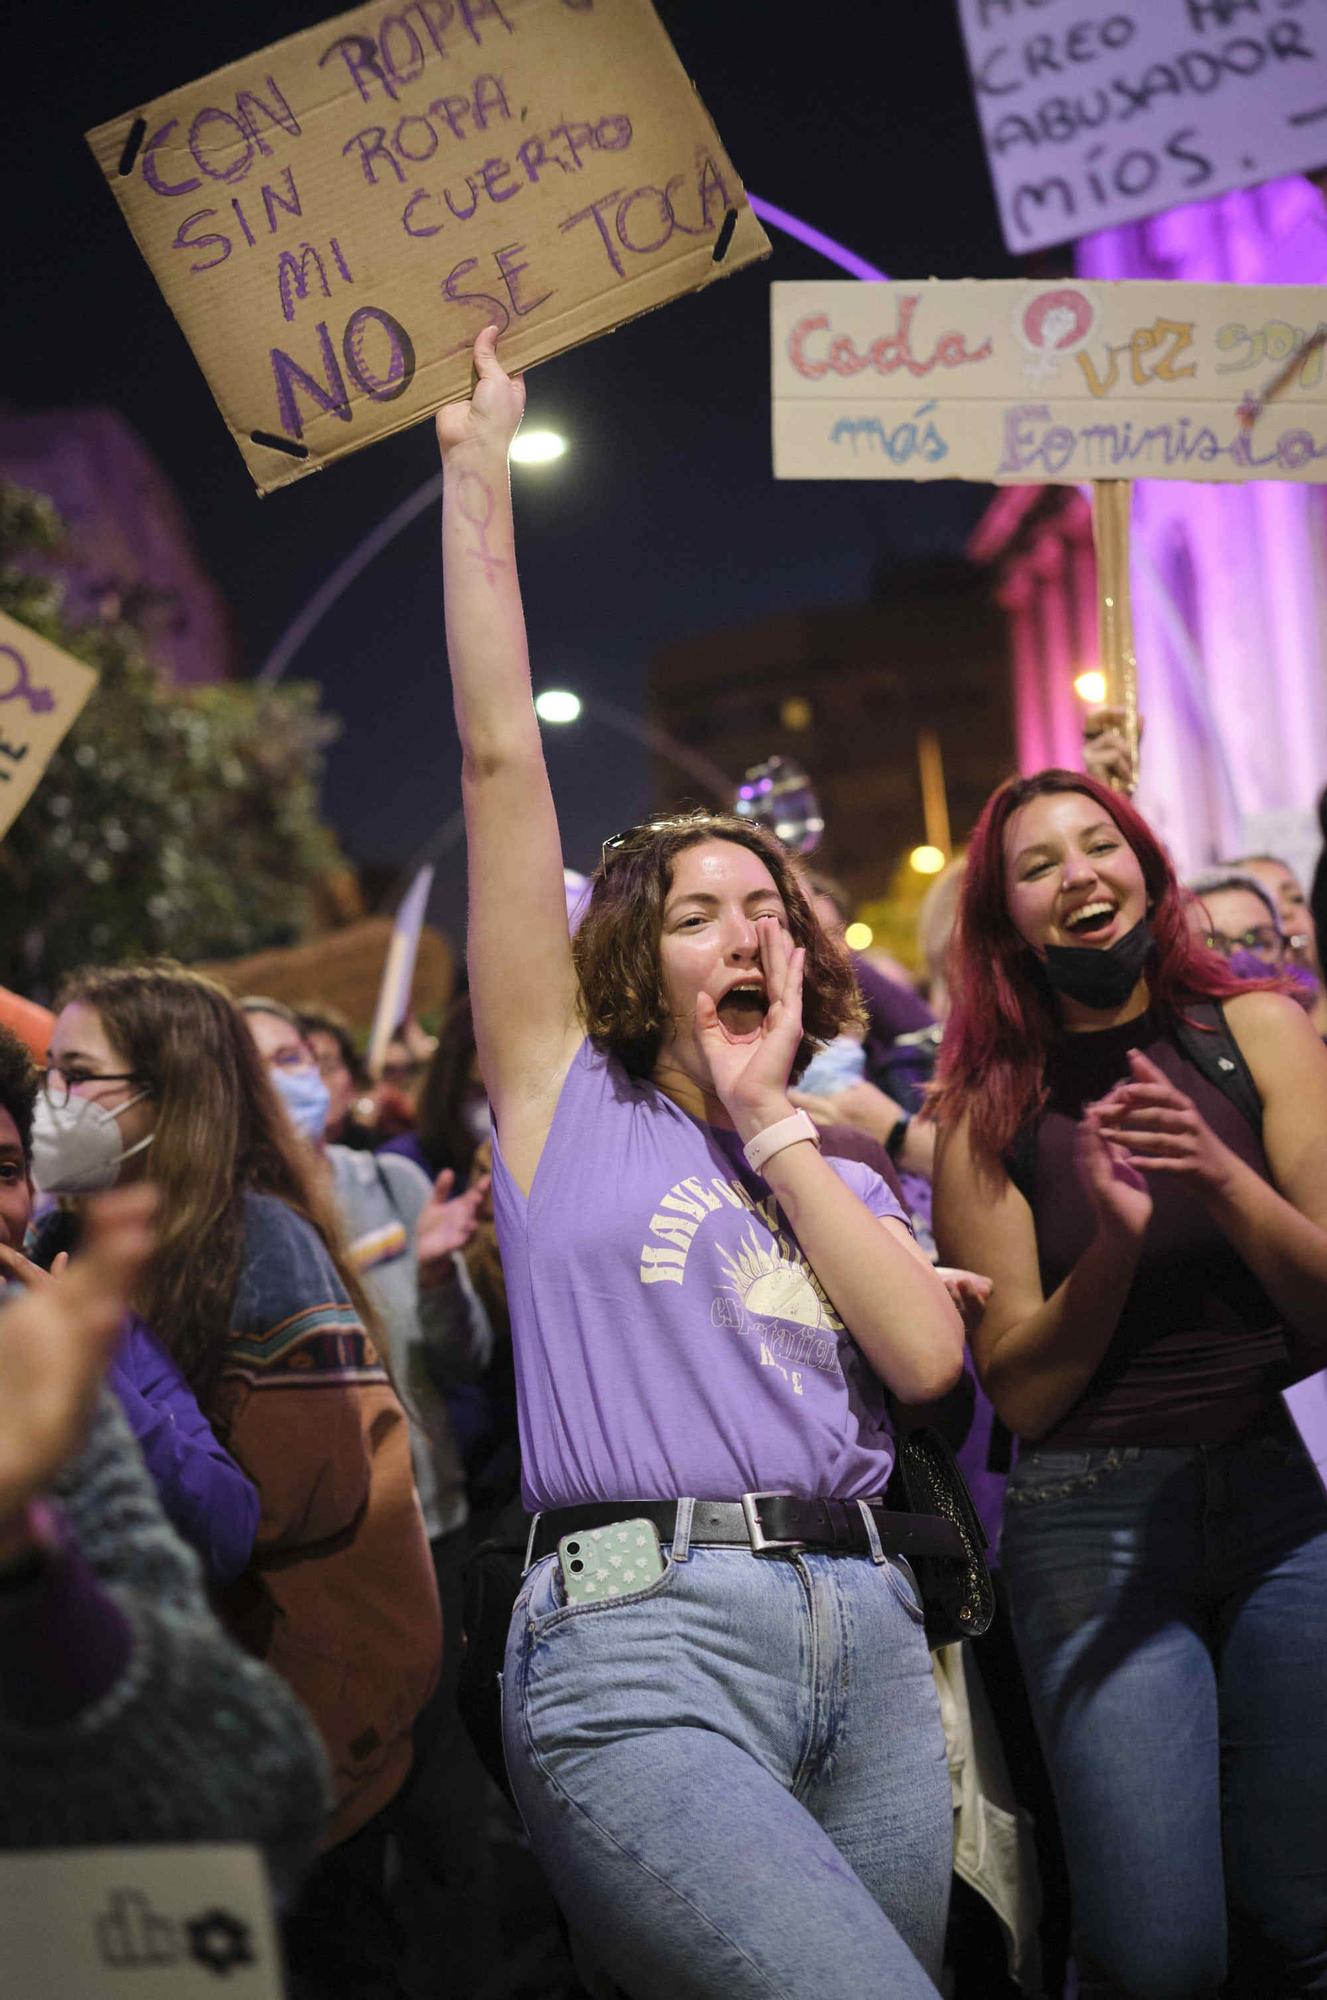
(583, 1346)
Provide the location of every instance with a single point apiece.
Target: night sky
(663, 520)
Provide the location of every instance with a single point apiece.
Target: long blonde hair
(220, 1133)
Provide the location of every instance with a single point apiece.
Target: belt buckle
(761, 1543)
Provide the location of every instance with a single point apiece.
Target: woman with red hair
(1135, 1150)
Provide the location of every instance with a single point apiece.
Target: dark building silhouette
(845, 691)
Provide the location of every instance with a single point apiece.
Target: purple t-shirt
(670, 1338)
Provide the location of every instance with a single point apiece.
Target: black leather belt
(766, 1523)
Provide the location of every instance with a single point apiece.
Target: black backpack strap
(1020, 1162)
(1204, 1036)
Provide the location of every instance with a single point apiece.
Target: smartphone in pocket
(610, 1562)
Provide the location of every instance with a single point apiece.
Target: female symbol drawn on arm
(474, 497)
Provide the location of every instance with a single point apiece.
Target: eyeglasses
(1263, 940)
(291, 1060)
(635, 836)
(57, 1083)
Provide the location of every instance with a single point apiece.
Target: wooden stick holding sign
(1112, 500)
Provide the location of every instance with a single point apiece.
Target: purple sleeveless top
(1200, 1350)
(670, 1338)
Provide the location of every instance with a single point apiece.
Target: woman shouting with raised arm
(718, 1709)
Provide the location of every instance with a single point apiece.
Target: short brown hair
(616, 948)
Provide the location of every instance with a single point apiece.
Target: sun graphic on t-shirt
(778, 1286)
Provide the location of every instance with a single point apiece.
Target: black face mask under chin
(1099, 978)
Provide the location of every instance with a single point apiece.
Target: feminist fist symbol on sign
(39, 699)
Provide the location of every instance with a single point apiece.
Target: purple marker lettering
(341, 263)
(371, 148)
(605, 201)
(401, 359)
(463, 214)
(533, 155)
(360, 57)
(491, 173)
(1019, 441)
(400, 48)
(425, 146)
(452, 110)
(151, 172)
(249, 236)
(613, 134)
(290, 201)
(663, 220)
(289, 377)
(713, 190)
(511, 272)
(576, 136)
(475, 11)
(413, 228)
(493, 310)
(184, 241)
(292, 277)
(490, 100)
(237, 167)
(435, 15)
(249, 107)
(700, 228)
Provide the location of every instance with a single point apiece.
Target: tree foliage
(170, 820)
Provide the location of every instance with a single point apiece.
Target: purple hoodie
(203, 1492)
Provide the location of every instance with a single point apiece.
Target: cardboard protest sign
(41, 693)
(179, 1922)
(1058, 382)
(333, 220)
(1094, 115)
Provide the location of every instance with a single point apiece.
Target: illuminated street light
(557, 705)
(859, 937)
(927, 860)
(1091, 687)
(536, 447)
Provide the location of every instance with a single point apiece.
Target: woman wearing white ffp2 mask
(94, 1120)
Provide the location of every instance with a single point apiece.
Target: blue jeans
(1170, 1607)
(735, 1779)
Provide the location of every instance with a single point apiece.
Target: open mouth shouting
(743, 1008)
(1091, 922)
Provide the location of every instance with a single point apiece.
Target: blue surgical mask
(306, 1098)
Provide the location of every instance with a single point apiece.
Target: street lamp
(559, 705)
(536, 447)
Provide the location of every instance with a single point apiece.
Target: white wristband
(774, 1138)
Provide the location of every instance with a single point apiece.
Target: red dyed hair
(998, 1036)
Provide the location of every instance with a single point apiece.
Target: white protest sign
(1096, 112)
(334, 219)
(1057, 382)
(41, 693)
(144, 1923)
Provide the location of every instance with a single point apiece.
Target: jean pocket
(1043, 1476)
(903, 1583)
(546, 1603)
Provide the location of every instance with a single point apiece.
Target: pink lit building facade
(1229, 582)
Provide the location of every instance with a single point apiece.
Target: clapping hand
(1158, 1130)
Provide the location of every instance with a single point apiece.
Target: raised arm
(521, 975)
